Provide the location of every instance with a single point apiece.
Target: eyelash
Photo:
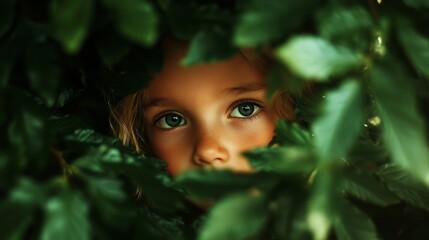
(231, 109)
(252, 117)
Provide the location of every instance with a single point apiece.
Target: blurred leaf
(417, 3)
(67, 217)
(405, 186)
(402, 125)
(16, 218)
(313, 57)
(135, 19)
(366, 151)
(28, 192)
(7, 60)
(43, 71)
(187, 20)
(208, 46)
(112, 47)
(206, 184)
(280, 79)
(239, 216)
(7, 12)
(324, 203)
(282, 159)
(26, 131)
(416, 46)
(71, 21)
(263, 20)
(365, 187)
(352, 224)
(339, 126)
(291, 134)
(336, 23)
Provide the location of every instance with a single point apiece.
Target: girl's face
(207, 115)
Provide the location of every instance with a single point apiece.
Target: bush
(354, 166)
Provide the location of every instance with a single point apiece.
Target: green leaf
(66, 217)
(280, 79)
(16, 219)
(313, 57)
(403, 129)
(71, 21)
(7, 12)
(43, 71)
(351, 224)
(405, 186)
(239, 216)
(7, 60)
(365, 187)
(336, 23)
(323, 203)
(417, 3)
(264, 21)
(112, 47)
(416, 46)
(282, 159)
(208, 46)
(26, 125)
(339, 126)
(291, 134)
(207, 184)
(137, 20)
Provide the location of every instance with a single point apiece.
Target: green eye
(245, 110)
(170, 120)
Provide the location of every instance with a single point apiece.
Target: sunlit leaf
(135, 19)
(264, 20)
(402, 124)
(208, 46)
(66, 217)
(405, 186)
(416, 46)
(239, 216)
(352, 224)
(337, 129)
(313, 57)
(71, 21)
(366, 187)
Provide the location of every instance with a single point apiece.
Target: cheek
(257, 133)
(173, 149)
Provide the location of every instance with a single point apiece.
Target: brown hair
(127, 118)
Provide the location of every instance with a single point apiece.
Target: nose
(209, 149)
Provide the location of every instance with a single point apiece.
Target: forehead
(237, 71)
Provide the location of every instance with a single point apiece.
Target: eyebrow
(242, 89)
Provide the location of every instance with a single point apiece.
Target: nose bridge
(210, 145)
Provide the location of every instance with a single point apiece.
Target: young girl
(202, 116)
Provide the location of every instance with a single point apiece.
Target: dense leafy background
(355, 165)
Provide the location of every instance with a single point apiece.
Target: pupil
(246, 109)
(173, 120)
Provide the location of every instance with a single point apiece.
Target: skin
(205, 104)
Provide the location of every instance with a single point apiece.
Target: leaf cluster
(354, 164)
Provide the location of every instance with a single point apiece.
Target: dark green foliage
(354, 164)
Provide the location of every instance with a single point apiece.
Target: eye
(245, 110)
(170, 120)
